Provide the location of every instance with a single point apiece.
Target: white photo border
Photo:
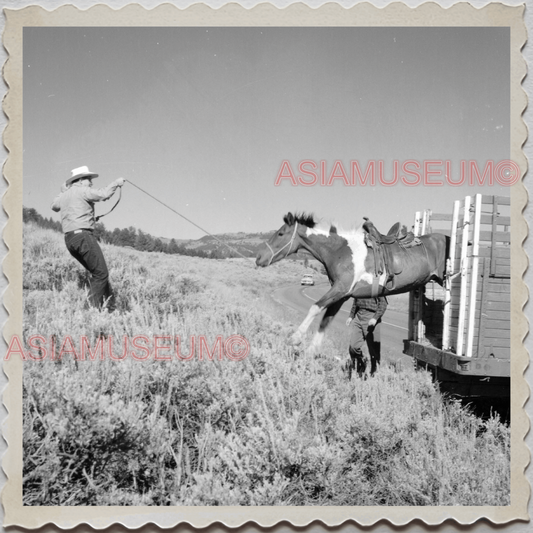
(395, 14)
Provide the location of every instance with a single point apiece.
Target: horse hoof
(293, 353)
(313, 351)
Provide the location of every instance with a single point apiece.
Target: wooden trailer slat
(490, 334)
(494, 220)
(503, 262)
(496, 301)
(499, 261)
(501, 282)
(464, 267)
(500, 353)
(483, 319)
(501, 337)
(503, 271)
(503, 279)
(487, 237)
(498, 297)
(441, 216)
(504, 305)
(493, 240)
(503, 316)
(494, 293)
(495, 313)
(499, 306)
(497, 284)
(492, 289)
(496, 236)
(489, 348)
(500, 252)
(496, 327)
(502, 222)
(446, 340)
(474, 276)
(502, 200)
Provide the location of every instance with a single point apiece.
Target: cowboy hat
(79, 173)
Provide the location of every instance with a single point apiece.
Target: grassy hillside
(272, 429)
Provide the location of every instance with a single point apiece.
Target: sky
(203, 119)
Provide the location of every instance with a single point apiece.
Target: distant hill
(247, 244)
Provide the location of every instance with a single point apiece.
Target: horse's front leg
(329, 315)
(336, 293)
(297, 337)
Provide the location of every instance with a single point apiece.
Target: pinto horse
(349, 264)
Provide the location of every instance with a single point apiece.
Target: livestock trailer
(461, 332)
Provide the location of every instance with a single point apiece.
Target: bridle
(289, 244)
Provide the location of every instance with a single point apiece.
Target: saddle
(388, 251)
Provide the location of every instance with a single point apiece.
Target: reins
(289, 244)
(188, 220)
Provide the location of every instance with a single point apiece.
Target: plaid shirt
(378, 305)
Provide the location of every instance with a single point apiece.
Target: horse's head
(285, 241)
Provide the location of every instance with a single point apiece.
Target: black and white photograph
(270, 265)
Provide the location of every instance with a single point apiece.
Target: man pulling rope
(75, 203)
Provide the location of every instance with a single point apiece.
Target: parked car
(307, 280)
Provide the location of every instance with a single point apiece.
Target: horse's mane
(308, 219)
(305, 219)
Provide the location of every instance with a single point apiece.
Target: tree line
(128, 238)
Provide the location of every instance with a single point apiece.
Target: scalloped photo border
(396, 14)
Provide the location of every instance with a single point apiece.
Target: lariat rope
(96, 219)
(289, 244)
(190, 221)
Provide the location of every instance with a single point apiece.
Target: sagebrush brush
(273, 429)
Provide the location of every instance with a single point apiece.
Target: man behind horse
(365, 318)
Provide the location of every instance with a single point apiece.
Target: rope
(119, 197)
(190, 221)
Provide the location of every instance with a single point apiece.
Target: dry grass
(273, 429)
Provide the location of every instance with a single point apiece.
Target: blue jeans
(85, 248)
